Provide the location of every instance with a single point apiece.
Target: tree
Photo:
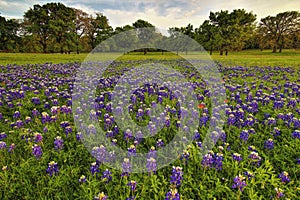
(8, 32)
(145, 32)
(97, 29)
(53, 20)
(38, 20)
(61, 23)
(276, 28)
(207, 36)
(80, 26)
(126, 38)
(233, 28)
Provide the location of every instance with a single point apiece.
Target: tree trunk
(210, 51)
(226, 52)
(280, 49)
(77, 48)
(274, 49)
(221, 52)
(162, 52)
(45, 48)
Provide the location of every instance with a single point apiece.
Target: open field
(49, 126)
(243, 58)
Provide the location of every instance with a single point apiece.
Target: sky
(161, 13)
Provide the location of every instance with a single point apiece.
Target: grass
(243, 58)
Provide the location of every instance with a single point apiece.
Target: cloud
(163, 14)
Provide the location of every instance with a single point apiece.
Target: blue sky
(162, 13)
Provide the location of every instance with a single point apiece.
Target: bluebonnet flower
(237, 157)
(3, 136)
(68, 130)
(151, 165)
(101, 196)
(252, 131)
(38, 137)
(292, 103)
(278, 104)
(126, 167)
(106, 176)
(140, 113)
(284, 176)
(128, 135)
(17, 115)
(159, 143)
(177, 176)
(82, 179)
(2, 145)
(64, 124)
(269, 144)
(279, 193)
(255, 158)
(185, 156)
(79, 136)
(94, 168)
(114, 142)
(45, 117)
(271, 121)
(231, 120)
(178, 123)
(249, 121)
(218, 161)
(54, 110)
(296, 134)
(99, 153)
(27, 119)
(19, 123)
(208, 160)
(239, 182)
(132, 184)
(11, 148)
(204, 119)
(196, 135)
(131, 150)
(35, 100)
(252, 148)
(37, 151)
(52, 168)
(244, 135)
(152, 153)
(167, 121)
(249, 175)
(199, 144)
(172, 195)
(276, 132)
(58, 143)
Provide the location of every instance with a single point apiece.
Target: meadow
(256, 155)
(288, 57)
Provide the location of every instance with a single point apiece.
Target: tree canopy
(55, 27)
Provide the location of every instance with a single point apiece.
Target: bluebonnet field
(42, 155)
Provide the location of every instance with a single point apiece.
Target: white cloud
(161, 13)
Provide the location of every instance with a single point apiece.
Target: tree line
(54, 27)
